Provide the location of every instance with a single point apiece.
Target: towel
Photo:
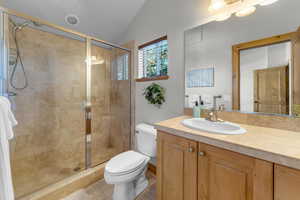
(9, 118)
(7, 121)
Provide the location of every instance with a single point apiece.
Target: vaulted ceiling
(105, 19)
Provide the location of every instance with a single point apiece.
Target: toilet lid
(125, 162)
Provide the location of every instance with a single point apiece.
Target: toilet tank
(146, 139)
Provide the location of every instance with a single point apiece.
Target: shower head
(21, 26)
(18, 27)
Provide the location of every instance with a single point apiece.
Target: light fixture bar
(246, 11)
(267, 2)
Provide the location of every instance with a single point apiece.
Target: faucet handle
(222, 107)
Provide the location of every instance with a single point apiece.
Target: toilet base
(141, 184)
(130, 190)
(124, 191)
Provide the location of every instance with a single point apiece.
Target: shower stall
(71, 95)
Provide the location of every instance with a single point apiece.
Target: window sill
(157, 78)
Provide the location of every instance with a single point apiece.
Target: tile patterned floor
(102, 191)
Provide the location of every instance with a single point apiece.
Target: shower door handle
(85, 105)
(89, 115)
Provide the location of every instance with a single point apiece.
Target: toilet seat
(125, 163)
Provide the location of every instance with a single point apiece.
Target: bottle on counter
(196, 110)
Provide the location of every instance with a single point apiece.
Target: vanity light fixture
(241, 8)
(267, 2)
(216, 5)
(246, 11)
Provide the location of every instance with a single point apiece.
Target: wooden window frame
(144, 79)
(236, 50)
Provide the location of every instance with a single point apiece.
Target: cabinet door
(225, 175)
(287, 183)
(176, 168)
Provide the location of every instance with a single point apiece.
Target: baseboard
(152, 168)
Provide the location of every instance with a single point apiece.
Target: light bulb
(216, 5)
(223, 17)
(267, 2)
(246, 11)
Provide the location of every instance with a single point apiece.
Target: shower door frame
(4, 54)
(4, 13)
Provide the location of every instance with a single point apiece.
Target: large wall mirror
(249, 64)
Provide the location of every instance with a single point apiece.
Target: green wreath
(155, 94)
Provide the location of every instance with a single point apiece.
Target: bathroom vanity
(262, 164)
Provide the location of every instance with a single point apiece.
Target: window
(122, 67)
(153, 60)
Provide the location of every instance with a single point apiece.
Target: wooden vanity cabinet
(188, 170)
(286, 183)
(176, 168)
(226, 175)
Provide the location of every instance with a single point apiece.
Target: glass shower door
(110, 102)
(49, 143)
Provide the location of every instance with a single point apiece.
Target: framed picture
(201, 78)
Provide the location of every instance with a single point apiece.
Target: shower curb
(69, 185)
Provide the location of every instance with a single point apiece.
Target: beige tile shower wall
(131, 45)
(50, 137)
(110, 108)
(121, 102)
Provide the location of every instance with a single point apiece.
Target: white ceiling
(105, 19)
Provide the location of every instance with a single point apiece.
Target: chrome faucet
(213, 113)
(215, 101)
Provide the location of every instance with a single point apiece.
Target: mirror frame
(294, 38)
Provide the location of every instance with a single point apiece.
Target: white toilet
(127, 171)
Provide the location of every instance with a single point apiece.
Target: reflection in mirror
(265, 85)
(252, 62)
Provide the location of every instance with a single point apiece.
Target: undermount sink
(214, 127)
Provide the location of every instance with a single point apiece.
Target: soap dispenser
(196, 110)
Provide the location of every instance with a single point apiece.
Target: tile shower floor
(102, 191)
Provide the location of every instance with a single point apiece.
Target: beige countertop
(274, 145)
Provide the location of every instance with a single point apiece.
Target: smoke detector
(72, 19)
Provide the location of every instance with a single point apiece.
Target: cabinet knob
(201, 153)
(191, 149)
